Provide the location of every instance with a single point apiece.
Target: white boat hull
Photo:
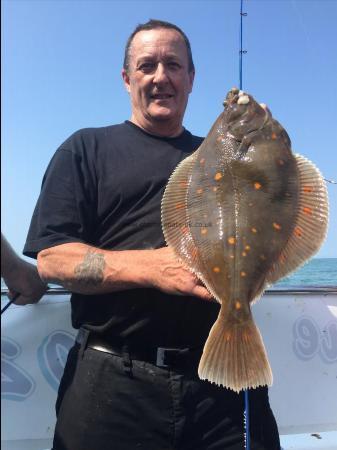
(300, 333)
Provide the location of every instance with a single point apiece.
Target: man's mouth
(161, 96)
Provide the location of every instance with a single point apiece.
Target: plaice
(241, 212)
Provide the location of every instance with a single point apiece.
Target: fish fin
(175, 223)
(311, 223)
(234, 356)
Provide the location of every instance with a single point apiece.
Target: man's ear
(191, 76)
(126, 79)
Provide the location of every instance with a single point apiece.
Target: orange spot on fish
(307, 210)
(216, 269)
(308, 189)
(298, 231)
(203, 231)
(257, 185)
(231, 240)
(254, 230)
(247, 247)
(231, 256)
(244, 254)
(237, 305)
(243, 274)
(215, 189)
(218, 176)
(274, 136)
(202, 161)
(179, 205)
(199, 191)
(280, 162)
(183, 183)
(277, 226)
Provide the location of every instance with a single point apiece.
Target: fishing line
(246, 424)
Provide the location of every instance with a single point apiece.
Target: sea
(318, 272)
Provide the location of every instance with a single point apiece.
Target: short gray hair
(151, 25)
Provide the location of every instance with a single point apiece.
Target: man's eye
(174, 65)
(146, 67)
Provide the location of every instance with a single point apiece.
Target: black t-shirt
(103, 187)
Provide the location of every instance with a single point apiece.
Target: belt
(159, 356)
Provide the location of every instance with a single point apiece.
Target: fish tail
(234, 356)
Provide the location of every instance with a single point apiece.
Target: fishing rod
(246, 423)
(241, 52)
(10, 302)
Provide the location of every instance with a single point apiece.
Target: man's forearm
(88, 270)
(9, 259)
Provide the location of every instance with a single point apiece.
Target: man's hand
(20, 276)
(169, 275)
(25, 281)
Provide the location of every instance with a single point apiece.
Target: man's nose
(160, 74)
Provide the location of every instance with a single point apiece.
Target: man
(131, 379)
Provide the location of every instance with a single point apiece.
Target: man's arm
(20, 276)
(89, 270)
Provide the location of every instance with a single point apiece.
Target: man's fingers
(22, 300)
(12, 294)
(202, 292)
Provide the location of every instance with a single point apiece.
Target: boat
(298, 325)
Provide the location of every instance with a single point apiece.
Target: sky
(61, 71)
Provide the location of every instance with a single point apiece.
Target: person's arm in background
(20, 276)
(88, 270)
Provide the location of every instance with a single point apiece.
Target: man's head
(153, 25)
(158, 73)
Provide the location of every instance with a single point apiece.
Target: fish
(241, 212)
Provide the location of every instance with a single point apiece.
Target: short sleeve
(65, 211)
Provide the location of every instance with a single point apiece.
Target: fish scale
(241, 212)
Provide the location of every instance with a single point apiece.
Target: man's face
(158, 80)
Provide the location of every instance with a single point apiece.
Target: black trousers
(104, 403)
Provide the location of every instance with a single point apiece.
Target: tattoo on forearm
(90, 271)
